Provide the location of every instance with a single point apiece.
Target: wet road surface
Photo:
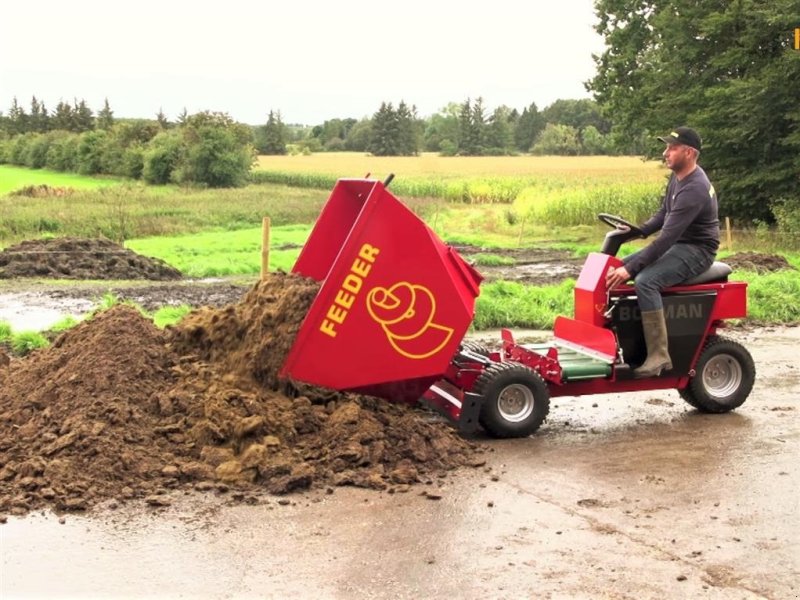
(618, 496)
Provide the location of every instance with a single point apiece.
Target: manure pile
(81, 258)
(117, 409)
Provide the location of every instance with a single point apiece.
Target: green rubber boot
(655, 336)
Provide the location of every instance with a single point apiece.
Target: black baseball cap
(683, 135)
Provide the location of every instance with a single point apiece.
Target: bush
(5, 150)
(62, 154)
(447, 148)
(91, 149)
(19, 149)
(218, 152)
(36, 151)
(161, 157)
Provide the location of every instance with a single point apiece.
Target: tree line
(207, 148)
(469, 128)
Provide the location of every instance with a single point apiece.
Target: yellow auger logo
(406, 311)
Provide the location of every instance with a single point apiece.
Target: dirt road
(620, 496)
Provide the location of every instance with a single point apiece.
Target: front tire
(724, 376)
(515, 400)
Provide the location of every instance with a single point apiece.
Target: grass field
(13, 178)
(431, 165)
(563, 190)
(215, 254)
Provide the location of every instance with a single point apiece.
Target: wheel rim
(515, 402)
(722, 376)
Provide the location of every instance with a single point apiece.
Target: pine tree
(384, 137)
(17, 118)
(105, 118)
(83, 117)
(478, 126)
(62, 119)
(273, 139)
(466, 142)
(407, 141)
(499, 134)
(529, 125)
(163, 122)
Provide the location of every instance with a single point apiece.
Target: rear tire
(725, 374)
(515, 400)
(475, 347)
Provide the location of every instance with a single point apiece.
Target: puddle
(35, 312)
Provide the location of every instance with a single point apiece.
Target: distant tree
(91, 149)
(38, 119)
(273, 135)
(442, 126)
(105, 118)
(333, 128)
(466, 139)
(162, 157)
(528, 127)
(557, 139)
(359, 136)
(183, 116)
(593, 141)
(217, 151)
(576, 113)
(384, 138)
(17, 118)
(407, 130)
(500, 134)
(63, 119)
(83, 117)
(161, 119)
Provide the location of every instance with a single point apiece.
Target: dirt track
(620, 496)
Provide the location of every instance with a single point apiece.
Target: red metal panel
(598, 341)
(332, 227)
(590, 289)
(394, 304)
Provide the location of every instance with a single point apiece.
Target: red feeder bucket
(395, 300)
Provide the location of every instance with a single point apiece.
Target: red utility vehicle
(395, 302)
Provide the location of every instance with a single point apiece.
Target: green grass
(510, 304)
(493, 260)
(5, 331)
(170, 315)
(772, 297)
(14, 178)
(62, 325)
(25, 342)
(217, 254)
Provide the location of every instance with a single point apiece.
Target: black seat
(717, 272)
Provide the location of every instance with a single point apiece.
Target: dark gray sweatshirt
(688, 215)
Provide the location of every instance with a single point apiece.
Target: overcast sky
(311, 60)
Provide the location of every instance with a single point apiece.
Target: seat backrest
(718, 271)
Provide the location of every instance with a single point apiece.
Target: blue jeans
(676, 265)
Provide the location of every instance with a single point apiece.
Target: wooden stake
(728, 233)
(265, 225)
(521, 229)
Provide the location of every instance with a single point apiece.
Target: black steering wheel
(615, 222)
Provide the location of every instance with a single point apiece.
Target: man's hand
(614, 277)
